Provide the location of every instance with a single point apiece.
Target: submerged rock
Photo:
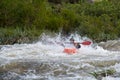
(1, 46)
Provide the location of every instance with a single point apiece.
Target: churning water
(45, 60)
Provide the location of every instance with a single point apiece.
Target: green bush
(99, 21)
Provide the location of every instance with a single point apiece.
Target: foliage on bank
(99, 21)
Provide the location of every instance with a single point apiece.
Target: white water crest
(45, 60)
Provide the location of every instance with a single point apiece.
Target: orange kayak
(70, 50)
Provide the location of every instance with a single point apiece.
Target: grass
(103, 73)
(99, 21)
(18, 35)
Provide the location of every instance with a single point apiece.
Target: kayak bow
(70, 50)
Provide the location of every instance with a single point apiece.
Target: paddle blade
(86, 43)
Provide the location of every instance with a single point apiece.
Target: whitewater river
(47, 61)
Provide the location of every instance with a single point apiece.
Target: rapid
(45, 60)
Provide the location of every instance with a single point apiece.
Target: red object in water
(86, 43)
(70, 50)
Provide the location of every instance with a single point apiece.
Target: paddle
(86, 43)
(83, 43)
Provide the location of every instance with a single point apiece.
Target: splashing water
(45, 60)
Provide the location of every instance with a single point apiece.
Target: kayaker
(77, 45)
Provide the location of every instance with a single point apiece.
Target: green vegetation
(103, 73)
(18, 35)
(21, 19)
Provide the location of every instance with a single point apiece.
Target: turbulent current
(45, 60)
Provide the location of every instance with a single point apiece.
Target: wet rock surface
(112, 45)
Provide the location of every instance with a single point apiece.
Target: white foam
(110, 78)
(47, 48)
(117, 67)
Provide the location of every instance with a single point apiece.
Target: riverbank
(18, 35)
(25, 21)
